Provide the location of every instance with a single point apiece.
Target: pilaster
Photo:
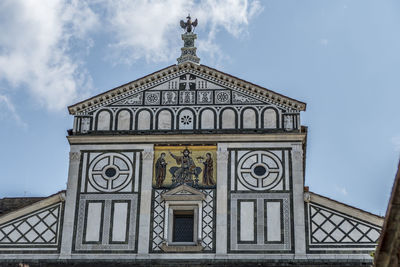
(298, 200)
(222, 200)
(70, 203)
(145, 200)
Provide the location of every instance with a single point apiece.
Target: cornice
(346, 209)
(33, 207)
(182, 139)
(163, 75)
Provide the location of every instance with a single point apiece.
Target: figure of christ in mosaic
(184, 174)
(161, 170)
(208, 170)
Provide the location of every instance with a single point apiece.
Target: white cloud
(42, 46)
(8, 109)
(150, 29)
(36, 44)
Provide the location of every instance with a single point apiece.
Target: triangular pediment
(189, 84)
(183, 192)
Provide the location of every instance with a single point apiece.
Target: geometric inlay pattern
(259, 170)
(261, 242)
(106, 222)
(328, 227)
(158, 220)
(207, 220)
(38, 228)
(110, 172)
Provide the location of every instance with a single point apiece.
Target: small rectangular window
(183, 226)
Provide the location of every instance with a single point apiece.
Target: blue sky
(340, 57)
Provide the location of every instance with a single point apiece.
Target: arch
(207, 119)
(249, 118)
(228, 119)
(270, 118)
(104, 120)
(186, 119)
(144, 119)
(123, 119)
(164, 119)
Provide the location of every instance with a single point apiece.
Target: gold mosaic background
(198, 154)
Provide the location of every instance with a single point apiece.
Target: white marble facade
(258, 209)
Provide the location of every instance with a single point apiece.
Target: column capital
(222, 155)
(74, 156)
(148, 155)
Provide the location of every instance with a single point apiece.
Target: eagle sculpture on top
(189, 25)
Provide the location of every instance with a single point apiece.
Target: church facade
(188, 166)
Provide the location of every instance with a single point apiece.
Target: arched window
(228, 119)
(124, 119)
(207, 119)
(186, 120)
(270, 119)
(164, 120)
(104, 120)
(249, 119)
(144, 120)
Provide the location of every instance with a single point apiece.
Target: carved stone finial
(188, 50)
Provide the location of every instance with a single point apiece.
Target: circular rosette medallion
(110, 172)
(260, 170)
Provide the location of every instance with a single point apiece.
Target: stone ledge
(196, 248)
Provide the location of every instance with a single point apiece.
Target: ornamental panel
(329, 228)
(40, 228)
(110, 172)
(207, 217)
(259, 170)
(260, 222)
(195, 166)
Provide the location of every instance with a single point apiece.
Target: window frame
(170, 208)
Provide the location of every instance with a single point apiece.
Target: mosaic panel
(242, 99)
(135, 99)
(204, 97)
(169, 97)
(152, 98)
(222, 97)
(191, 165)
(187, 97)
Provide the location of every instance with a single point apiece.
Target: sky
(340, 57)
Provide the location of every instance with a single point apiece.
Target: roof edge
(347, 209)
(60, 196)
(218, 75)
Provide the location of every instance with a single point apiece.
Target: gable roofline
(194, 194)
(50, 200)
(345, 208)
(217, 75)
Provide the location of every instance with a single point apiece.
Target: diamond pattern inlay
(158, 220)
(329, 227)
(37, 228)
(207, 220)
